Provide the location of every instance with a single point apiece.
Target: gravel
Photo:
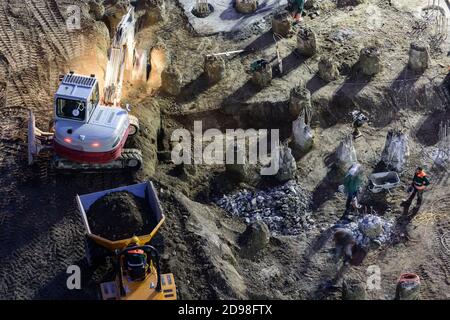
(365, 232)
(285, 208)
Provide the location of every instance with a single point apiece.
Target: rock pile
(255, 238)
(419, 56)
(288, 166)
(369, 229)
(285, 209)
(345, 3)
(171, 81)
(306, 42)
(214, 68)
(246, 6)
(370, 61)
(328, 69)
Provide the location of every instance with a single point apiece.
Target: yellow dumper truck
(129, 282)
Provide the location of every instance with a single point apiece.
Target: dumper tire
(95, 255)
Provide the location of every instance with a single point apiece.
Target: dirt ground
(41, 231)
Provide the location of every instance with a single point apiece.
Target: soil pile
(120, 215)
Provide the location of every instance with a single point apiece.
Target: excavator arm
(121, 57)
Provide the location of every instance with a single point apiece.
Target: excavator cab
(84, 130)
(76, 106)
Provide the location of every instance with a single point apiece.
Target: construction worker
(295, 7)
(358, 120)
(258, 65)
(418, 185)
(352, 183)
(344, 243)
(136, 260)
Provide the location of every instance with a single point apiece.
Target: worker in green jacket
(352, 183)
(296, 8)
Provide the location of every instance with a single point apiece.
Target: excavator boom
(120, 58)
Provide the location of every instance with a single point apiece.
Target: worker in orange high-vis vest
(418, 185)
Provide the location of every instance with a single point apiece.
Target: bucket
(408, 287)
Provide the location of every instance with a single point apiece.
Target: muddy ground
(41, 231)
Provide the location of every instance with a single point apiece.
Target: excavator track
(130, 159)
(43, 166)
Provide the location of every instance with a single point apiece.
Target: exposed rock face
(171, 81)
(419, 56)
(345, 3)
(287, 165)
(254, 239)
(245, 171)
(306, 42)
(370, 61)
(282, 25)
(328, 69)
(353, 290)
(396, 150)
(311, 4)
(246, 6)
(263, 76)
(96, 10)
(299, 101)
(113, 15)
(149, 13)
(214, 69)
(218, 257)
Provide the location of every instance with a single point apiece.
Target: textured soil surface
(41, 231)
(120, 215)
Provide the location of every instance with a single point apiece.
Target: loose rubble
(285, 209)
(369, 229)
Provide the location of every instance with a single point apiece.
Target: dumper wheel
(95, 255)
